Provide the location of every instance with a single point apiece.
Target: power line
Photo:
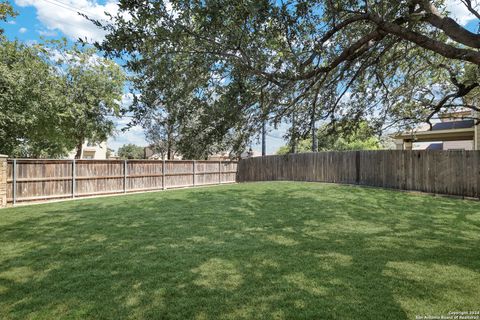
(66, 6)
(71, 8)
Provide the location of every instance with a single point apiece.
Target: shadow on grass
(266, 250)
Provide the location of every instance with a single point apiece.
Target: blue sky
(59, 18)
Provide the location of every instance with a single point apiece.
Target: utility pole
(264, 125)
(293, 141)
(264, 138)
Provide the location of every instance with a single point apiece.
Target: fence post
(194, 174)
(74, 177)
(219, 172)
(3, 180)
(164, 170)
(357, 167)
(14, 182)
(125, 176)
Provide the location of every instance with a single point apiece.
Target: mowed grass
(249, 251)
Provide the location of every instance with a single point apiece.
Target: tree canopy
(363, 137)
(92, 89)
(53, 98)
(31, 117)
(130, 151)
(228, 66)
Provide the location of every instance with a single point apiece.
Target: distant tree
(93, 88)
(130, 151)
(362, 138)
(162, 132)
(304, 145)
(182, 117)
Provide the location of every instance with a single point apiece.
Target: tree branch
(451, 28)
(470, 8)
(461, 92)
(425, 42)
(330, 33)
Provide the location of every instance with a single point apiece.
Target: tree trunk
(170, 141)
(169, 145)
(264, 138)
(293, 141)
(314, 138)
(264, 124)
(78, 155)
(313, 119)
(314, 132)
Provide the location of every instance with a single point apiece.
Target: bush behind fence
(441, 172)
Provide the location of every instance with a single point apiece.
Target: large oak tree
(239, 63)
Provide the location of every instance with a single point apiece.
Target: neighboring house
(97, 151)
(220, 156)
(149, 153)
(454, 132)
(250, 154)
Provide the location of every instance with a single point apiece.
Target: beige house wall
(458, 145)
(96, 151)
(398, 144)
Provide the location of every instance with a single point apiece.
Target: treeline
(54, 97)
(328, 138)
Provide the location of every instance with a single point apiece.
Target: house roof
(455, 115)
(449, 125)
(442, 131)
(435, 146)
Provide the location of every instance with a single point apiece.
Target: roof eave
(438, 135)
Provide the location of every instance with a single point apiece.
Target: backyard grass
(263, 250)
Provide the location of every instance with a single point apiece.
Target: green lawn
(248, 251)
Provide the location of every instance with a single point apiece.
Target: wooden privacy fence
(34, 180)
(441, 172)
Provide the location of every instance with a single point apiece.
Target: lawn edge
(412, 192)
(108, 195)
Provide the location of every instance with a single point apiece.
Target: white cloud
(47, 33)
(22, 30)
(459, 12)
(63, 16)
(127, 99)
(134, 135)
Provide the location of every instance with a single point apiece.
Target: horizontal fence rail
(37, 180)
(440, 172)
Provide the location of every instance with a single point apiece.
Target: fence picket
(442, 172)
(40, 179)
